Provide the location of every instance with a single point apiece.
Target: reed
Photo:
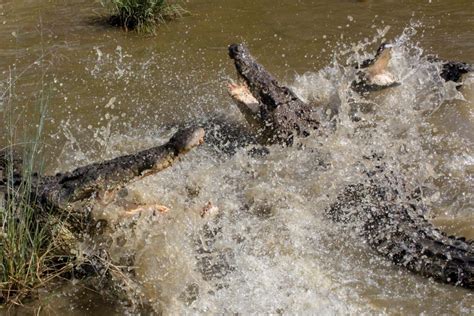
(34, 245)
(142, 15)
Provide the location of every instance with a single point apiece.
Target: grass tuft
(31, 242)
(142, 15)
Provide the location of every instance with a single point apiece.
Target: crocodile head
(276, 106)
(374, 74)
(186, 139)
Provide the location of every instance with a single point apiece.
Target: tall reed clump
(142, 15)
(34, 245)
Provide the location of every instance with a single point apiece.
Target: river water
(269, 249)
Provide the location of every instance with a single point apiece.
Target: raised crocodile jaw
(374, 74)
(282, 113)
(247, 104)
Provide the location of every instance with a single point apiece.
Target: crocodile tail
(401, 233)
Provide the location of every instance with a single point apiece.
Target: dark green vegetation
(142, 15)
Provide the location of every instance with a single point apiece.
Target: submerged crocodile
(392, 227)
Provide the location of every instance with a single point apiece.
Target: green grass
(34, 245)
(142, 15)
(29, 244)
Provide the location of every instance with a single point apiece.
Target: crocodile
(282, 113)
(57, 193)
(391, 226)
(373, 73)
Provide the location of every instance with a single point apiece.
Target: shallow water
(269, 249)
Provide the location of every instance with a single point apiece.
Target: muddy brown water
(111, 92)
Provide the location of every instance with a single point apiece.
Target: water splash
(269, 249)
